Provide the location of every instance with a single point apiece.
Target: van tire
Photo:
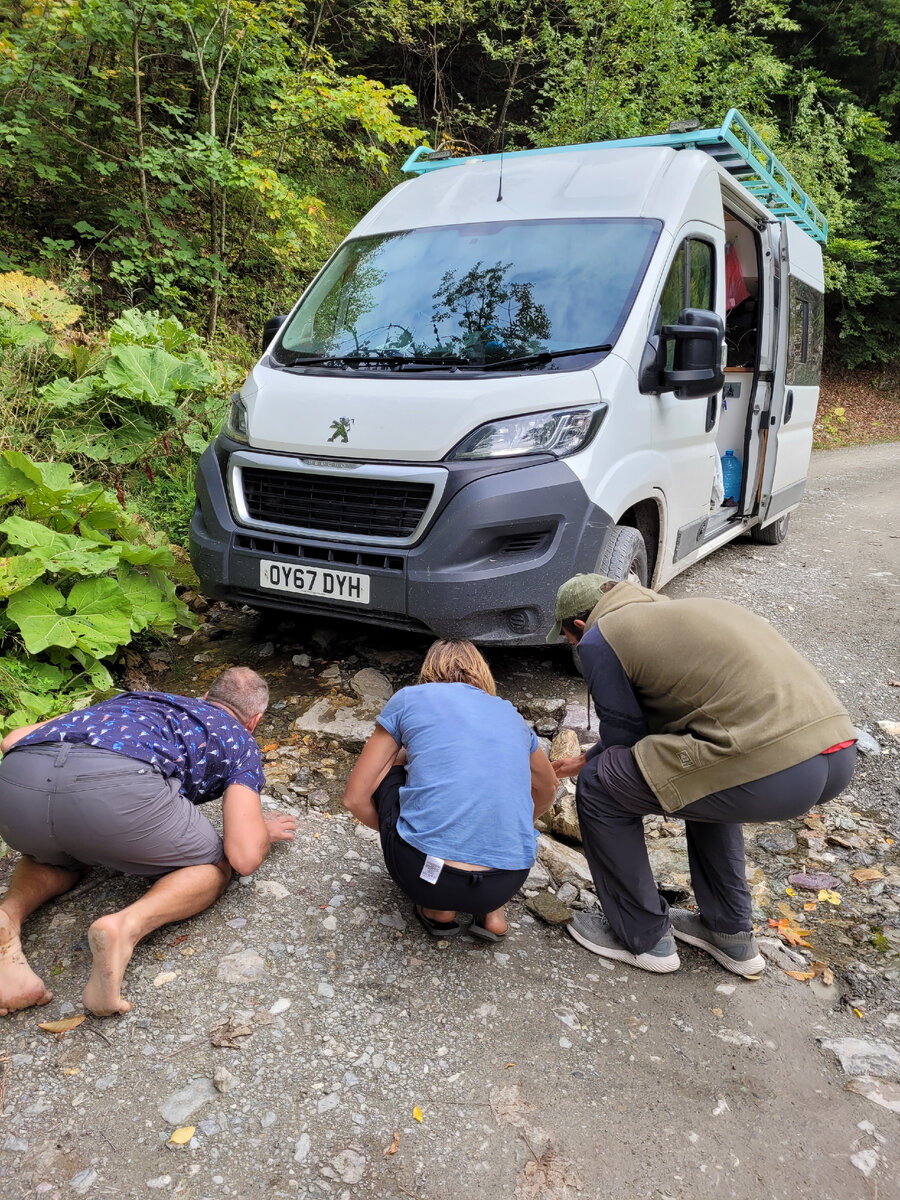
(772, 535)
(625, 555)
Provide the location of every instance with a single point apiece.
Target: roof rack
(735, 146)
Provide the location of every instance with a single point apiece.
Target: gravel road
(371, 1063)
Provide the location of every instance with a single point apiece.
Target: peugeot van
(520, 367)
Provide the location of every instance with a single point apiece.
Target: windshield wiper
(394, 362)
(540, 356)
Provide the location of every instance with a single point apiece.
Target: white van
(520, 367)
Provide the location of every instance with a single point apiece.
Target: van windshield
(473, 295)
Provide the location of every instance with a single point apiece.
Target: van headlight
(560, 433)
(236, 426)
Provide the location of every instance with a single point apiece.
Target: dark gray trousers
(612, 798)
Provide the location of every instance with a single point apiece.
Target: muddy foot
(112, 952)
(19, 986)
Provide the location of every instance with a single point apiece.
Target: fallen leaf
(224, 1034)
(417, 1114)
(394, 1146)
(183, 938)
(791, 934)
(829, 896)
(867, 875)
(858, 1013)
(182, 1135)
(269, 746)
(789, 891)
(820, 968)
(801, 975)
(508, 1065)
(71, 1070)
(810, 906)
(64, 1025)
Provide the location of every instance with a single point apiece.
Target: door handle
(788, 406)
(712, 411)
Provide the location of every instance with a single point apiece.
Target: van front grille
(334, 504)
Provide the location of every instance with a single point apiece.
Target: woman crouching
(452, 779)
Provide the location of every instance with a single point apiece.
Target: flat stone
(891, 728)
(575, 717)
(326, 1103)
(341, 725)
(271, 889)
(282, 1004)
(83, 1181)
(176, 1109)
(777, 841)
(537, 709)
(301, 660)
(885, 1094)
(780, 955)
(563, 817)
(564, 864)
(331, 674)
(858, 1057)
(866, 744)
(266, 650)
(224, 1080)
(393, 920)
(373, 688)
(350, 1165)
(16, 1145)
(814, 883)
(538, 878)
(241, 967)
(549, 908)
(301, 1147)
(161, 1181)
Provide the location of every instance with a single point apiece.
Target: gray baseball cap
(579, 594)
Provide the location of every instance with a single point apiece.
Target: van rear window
(473, 295)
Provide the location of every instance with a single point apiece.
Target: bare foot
(19, 986)
(112, 950)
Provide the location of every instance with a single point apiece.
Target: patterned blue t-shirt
(200, 743)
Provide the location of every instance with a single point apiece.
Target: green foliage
(80, 577)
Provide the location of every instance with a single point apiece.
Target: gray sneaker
(593, 931)
(738, 952)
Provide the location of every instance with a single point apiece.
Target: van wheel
(625, 556)
(773, 534)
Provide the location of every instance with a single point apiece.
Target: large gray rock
(373, 688)
(564, 864)
(350, 729)
(240, 968)
(179, 1106)
(864, 1058)
(536, 709)
(575, 717)
(549, 908)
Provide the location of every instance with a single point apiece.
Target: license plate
(314, 581)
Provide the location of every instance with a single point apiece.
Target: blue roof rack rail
(734, 145)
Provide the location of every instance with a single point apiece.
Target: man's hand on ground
(280, 827)
(568, 768)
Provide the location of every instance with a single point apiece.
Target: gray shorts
(73, 806)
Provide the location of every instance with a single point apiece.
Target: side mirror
(271, 327)
(697, 367)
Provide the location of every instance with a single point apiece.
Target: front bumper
(486, 568)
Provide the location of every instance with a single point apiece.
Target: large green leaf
(61, 551)
(95, 441)
(100, 616)
(148, 605)
(17, 572)
(53, 477)
(144, 373)
(63, 393)
(39, 613)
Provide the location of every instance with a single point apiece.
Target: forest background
(173, 172)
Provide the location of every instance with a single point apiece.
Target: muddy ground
(531, 1069)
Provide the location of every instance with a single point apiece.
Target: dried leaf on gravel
(183, 1135)
(790, 933)
(418, 1115)
(509, 1105)
(810, 906)
(550, 1177)
(394, 1146)
(867, 875)
(224, 1034)
(820, 968)
(64, 1025)
(827, 896)
(801, 975)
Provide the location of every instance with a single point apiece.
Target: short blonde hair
(457, 662)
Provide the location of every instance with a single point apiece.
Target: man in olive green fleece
(706, 713)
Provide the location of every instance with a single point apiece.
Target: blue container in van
(731, 476)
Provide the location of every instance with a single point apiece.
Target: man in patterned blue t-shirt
(118, 785)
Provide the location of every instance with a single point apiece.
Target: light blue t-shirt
(468, 785)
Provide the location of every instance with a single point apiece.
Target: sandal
(438, 929)
(480, 930)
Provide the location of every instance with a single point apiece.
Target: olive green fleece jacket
(726, 699)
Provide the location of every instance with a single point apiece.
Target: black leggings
(456, 889)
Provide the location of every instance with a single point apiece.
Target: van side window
(689, 285)
(805, 334)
